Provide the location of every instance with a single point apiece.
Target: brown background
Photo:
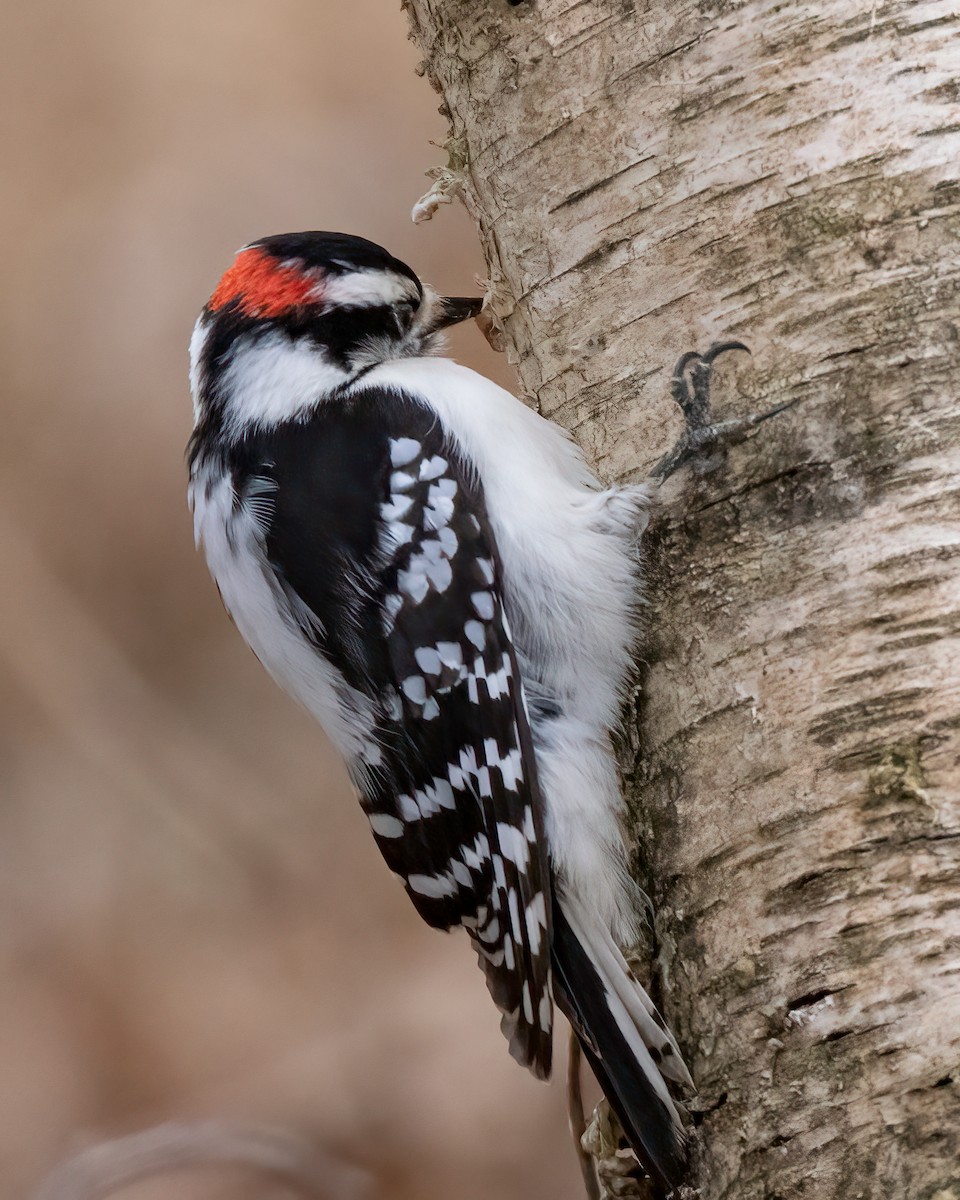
(193, 918)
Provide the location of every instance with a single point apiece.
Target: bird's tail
(624, 1038)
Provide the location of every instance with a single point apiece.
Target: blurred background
(194, 921)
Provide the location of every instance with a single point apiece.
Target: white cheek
(271, 379)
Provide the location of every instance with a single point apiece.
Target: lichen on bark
(648, 177)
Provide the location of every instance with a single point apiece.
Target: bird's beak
(451, 310)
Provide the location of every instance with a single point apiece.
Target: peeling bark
(649, 177)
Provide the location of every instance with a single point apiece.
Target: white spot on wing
(545, 1014)
(490, 932)
(483, 605)
(444, 794)
(460, 873)
(450, 654)
(511, 770)
(476, 855)
(428, 660)
(397, 508)
(438, 513)
(429, 799)
(514, 906)
(403, 451)
(495, 958)
(385, 825)
(408, 808)
(497, 684)
(413, 583)
(468, 761)
(434, 886)
(475, 633)
(440, 575)
(400, 481)
(401, 534)
(414, 687)
(536, 921)
(443, 489)
(433, 468)
(508, 952)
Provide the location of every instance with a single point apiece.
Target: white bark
(649, 177)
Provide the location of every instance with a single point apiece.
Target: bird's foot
(690, 388)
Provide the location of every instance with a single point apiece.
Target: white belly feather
(233, 545)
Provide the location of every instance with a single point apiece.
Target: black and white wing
(375, 523)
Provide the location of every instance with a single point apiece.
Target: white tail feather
(636, 1015)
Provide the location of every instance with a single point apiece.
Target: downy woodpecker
(430, 568)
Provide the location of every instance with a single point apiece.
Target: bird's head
(299, 314)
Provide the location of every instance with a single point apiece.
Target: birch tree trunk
(649, 176)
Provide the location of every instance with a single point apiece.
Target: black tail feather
(647, 1121)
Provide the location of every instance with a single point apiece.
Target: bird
(430, 568)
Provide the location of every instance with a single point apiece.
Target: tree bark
(649, 176)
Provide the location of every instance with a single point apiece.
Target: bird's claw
(690, 388)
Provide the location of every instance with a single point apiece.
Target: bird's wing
(376, 523)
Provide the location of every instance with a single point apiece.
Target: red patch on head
(263, 287)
